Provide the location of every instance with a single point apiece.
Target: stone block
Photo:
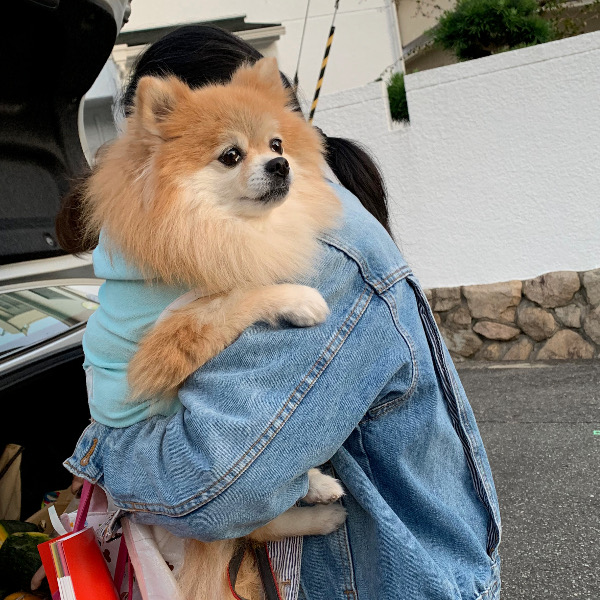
(446, 298)
(459, 318)
(508, 315)
(536, 322)
(492, 351)
(565, 344)
(520, 350)
(464, 343)
(591, 324)
(570, 315)
(496, 331)
(552, 289)
(490, 301)
(591, 283)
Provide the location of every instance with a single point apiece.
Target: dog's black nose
(278, 166)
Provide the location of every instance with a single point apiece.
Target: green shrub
(397, 97)
(477, 28)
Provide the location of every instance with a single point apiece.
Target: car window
(29, 316)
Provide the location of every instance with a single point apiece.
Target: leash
(265, 570)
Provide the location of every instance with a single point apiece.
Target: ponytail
(358, 173)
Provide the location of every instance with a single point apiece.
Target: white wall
(365, 41)
(497, 177)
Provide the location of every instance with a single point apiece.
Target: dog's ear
(263, 75)
(155, 100)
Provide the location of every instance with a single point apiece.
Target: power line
(301, 44)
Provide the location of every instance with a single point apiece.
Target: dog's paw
(305, 308)
(322, 489)
(326, 518)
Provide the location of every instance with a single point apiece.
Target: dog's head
(233, 147)
(207, 170)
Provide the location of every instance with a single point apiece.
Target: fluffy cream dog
(220, 189)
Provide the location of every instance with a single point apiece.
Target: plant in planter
(477, 28)
(397, 97)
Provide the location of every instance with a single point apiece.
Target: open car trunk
(52, 51)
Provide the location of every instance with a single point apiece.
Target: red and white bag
(143, 560)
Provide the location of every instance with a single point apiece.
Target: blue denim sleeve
(259, 415)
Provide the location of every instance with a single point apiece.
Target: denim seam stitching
(366, 455)
(380, 285)
(384, 408)
(473, 443)
(253, 452)
(90, 478)
(346, 556)
(343, 547)
(474, 455)
(73, 467)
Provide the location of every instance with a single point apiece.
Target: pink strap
(122, 560)
(84, 505)
(123, 556)
(129, 579)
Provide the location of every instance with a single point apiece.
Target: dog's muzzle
(278, 173)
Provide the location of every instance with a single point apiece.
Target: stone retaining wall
(554, 316)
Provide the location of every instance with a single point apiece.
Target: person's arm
(259, 415)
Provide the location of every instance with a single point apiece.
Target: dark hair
(203, 54)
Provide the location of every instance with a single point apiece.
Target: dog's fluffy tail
(204, 572)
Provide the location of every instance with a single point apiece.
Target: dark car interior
(44, 410)
(52, 51)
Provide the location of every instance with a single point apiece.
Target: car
(42, 384)
(54, 51)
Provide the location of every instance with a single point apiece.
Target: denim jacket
(371, 394)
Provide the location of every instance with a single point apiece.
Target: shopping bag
(154, 555)
(76, 569)
(75, 562)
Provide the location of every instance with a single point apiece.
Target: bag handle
(84, 505)
(123, 556)
(122, 562)
(265, 570)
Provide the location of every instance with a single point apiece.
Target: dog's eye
(276, 146)
(231, 157)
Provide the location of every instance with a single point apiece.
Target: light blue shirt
(129, 307)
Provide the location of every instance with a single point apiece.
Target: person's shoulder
(363, 240)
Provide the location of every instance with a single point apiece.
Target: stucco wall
(497, 177)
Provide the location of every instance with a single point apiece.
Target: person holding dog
(371, 396)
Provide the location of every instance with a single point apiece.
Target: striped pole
(315, 101)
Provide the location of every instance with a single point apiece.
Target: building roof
(236, 25)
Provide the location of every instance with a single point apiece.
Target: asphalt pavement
(541, 428)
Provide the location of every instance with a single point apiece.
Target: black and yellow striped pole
(315, 101)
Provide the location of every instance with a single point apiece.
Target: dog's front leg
(302, 520)
(308, 520)
(182, 342)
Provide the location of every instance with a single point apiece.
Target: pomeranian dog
(219, 189)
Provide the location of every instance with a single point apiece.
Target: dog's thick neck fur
(139, 197)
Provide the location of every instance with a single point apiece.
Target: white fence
(497, 177)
